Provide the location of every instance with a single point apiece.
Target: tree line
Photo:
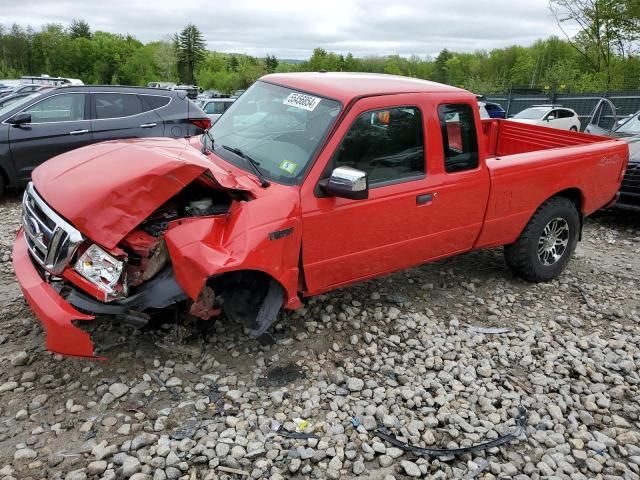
(602, 56)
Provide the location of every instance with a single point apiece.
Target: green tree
(606, 27)
(191, 51)
(271, 63)
(79, 29)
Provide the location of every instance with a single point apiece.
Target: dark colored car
(495, 110)
(30, 88)
(630, 188)
(38, 127)
(9, 99)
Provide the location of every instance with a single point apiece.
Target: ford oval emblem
(34, 229)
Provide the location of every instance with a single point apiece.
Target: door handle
(78, 132)
(148, 125)
(425, 198)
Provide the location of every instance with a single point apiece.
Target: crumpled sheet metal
(121, 183)
(521, 424)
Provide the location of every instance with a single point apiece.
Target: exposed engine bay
(147, 280)
(137, 274)
(145, 247)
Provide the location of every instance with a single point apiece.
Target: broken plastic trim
(159, 292)
(521, 424)
(268, 313)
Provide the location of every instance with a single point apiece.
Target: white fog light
(99, 268)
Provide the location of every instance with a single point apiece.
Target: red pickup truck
(308, 182)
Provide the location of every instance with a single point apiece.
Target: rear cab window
(459, 137)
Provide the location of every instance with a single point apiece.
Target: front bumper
(55, 314)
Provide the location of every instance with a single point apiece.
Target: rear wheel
(2, 185)
(574, 129)
(545, 246)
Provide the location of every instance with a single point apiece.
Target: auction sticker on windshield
(288, 166)
(301, 100)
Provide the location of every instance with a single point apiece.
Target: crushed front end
(67, 278)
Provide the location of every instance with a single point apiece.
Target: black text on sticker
(300, 100)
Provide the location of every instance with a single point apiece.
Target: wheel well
(239, 277)
(573, 194)
(251, 298)
(253, 279)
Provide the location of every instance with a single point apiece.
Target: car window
(68, 107)
(151, 102)
(386, 144)
(458, 137)
(564, 113)
(631, 126)
(116, 105)
(533, 113)
(214, 108)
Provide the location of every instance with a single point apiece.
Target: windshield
(16, 104)
(630, 126)
(278, 127)
(531, 113)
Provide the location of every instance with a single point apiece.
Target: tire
(574, 129)
(547, 243)
(2, 185)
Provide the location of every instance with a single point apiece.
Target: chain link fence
(626, 103)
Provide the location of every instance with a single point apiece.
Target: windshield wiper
(264, 183)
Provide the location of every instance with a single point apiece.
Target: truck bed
(528, 164)
(504, 137)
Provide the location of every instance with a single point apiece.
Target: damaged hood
(107, 189)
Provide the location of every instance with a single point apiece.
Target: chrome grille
(52, 241)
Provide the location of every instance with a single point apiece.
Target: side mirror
(20, 119)
(347, 182)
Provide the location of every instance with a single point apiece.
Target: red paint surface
(55, 314)
(107, 189)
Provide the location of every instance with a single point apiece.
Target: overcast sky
(292, 29)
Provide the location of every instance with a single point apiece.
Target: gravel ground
(202, 401)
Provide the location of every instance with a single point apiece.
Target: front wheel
(544, 248)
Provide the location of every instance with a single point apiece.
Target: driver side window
(387, 144)
(68, 107)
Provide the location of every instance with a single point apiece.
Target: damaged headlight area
(100, 268)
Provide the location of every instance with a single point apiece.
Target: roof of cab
(345, 86)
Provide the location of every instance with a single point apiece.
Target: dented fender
(254, 235)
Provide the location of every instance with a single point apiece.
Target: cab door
(603, 119)
(59, 123)
(415, 210)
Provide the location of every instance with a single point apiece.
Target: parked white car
(215, 107)
(549, 116)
